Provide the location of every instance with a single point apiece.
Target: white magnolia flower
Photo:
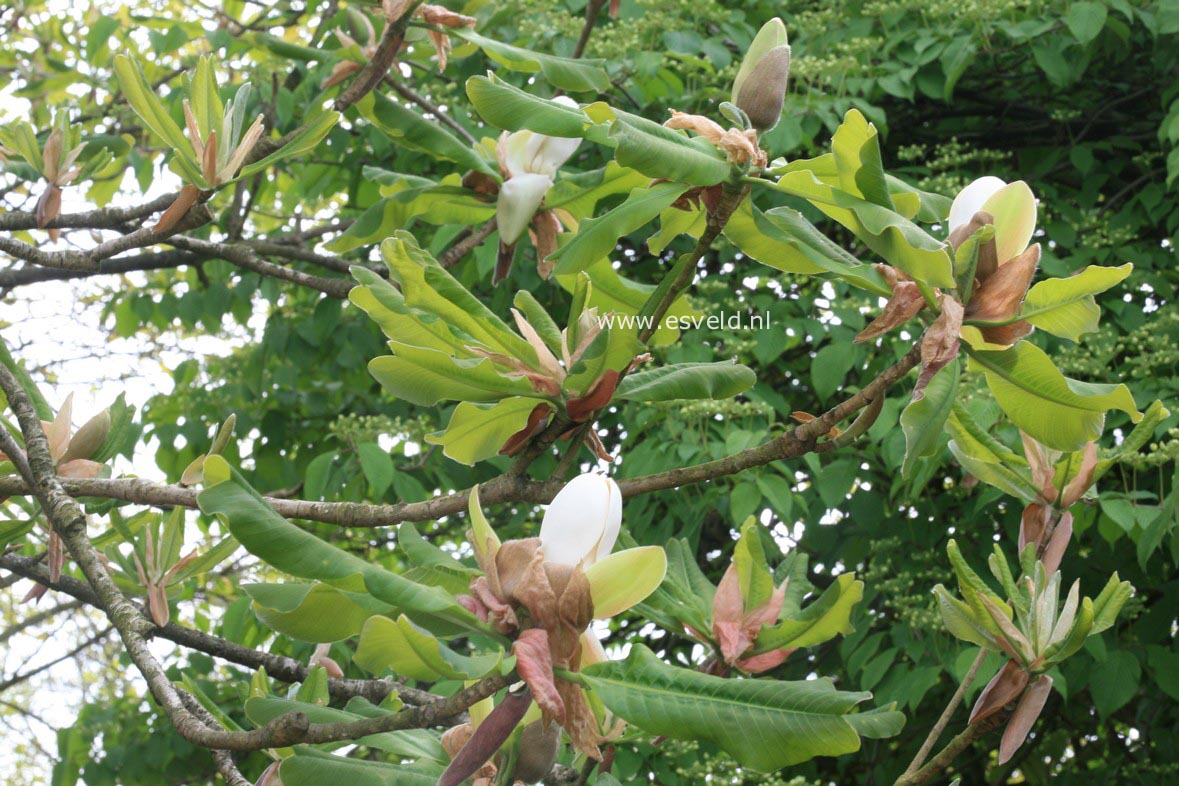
(529, 162)
(1012, 205)
(581, 525)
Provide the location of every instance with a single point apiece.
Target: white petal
(970, 200)
(518, 200)
(582, 522)
(515, 153)
(550, 153)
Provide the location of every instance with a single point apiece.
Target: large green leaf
(659, 152)
(411, 130)
(613, 293)
(1059, 412)
(783, 239)
(924, 420)
(437, 203)
(411, 652)
(986, 458)
(305, 138)
(763, 724)
(597, 237)
(581, 75)
(821, 621)
(895, 238)
(1065, 306)
(143, 100)
(478, 431)
(427, 286)
(426, 376)
(723, 379)
(578, 195)
(386, 306)
(313, 612)
(856, 149)
(510, 108)
(285, 546)
(309, 767)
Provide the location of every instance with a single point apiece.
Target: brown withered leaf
(517, 562)
(940, 344)
(48, 206)
(1006, 334)
(444, 17)
(537, 420)
(543, 233)
(580, 723)
(594, 443)
(1003, 689)
(1033, 523)
(184, 201)
(534, 662)
(503, 262)
(697, 124)
(741, 147)
(999, 296)
(904, 304)
(1031, 704)
(595, 397)
(481, 183)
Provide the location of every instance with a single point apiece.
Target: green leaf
(315, 612)
(597, 237)
(783, 239)
(203, 97)
(1086, 19)
(821, 621)
(986, 458)
(960, 621)
(803, 718)
(304, 140)
(720, 380)
(660, 152)
(436, 203)
(1059, 412)
(411, 130)
(1066, 307)
(829, 367)
(1114, 682)
(377, 466)
(856, 148)
(143, 100)
(285, 546)
(309, 767)
(612, 292)
(427, 376)
(414, 653)
(510, 108)
(477, 431)
(1107, 604)
(585, 74)
(924, 420)
(580, 194)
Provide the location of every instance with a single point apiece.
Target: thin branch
(16, 679)
(36, 619)
(378, 65)
(592, 9)
(451, 256)
(938, 728)
(68, 520)
(413, 96)
(246, 258)
(952, 750)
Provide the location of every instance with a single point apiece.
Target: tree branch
(944, 720)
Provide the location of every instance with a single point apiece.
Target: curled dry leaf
(537, 420)
(1031, 704)
(940, 344)
(595, 397)
(1000, 295)
(535, 665)
(1003, 689)
(904, 304)
(179, 208)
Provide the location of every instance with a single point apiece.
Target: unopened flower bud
(223, 435)
(764, 90)
(89, 438)
(538, 751)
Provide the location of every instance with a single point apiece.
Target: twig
(451, 256)
(955, 747)
(378, 65)
(592, 9)
(936, 732)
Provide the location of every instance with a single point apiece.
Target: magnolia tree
(422, 659)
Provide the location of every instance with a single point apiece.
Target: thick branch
(378, 65)
(150, 260)
(102, 218)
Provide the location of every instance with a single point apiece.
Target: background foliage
(1081, 99)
